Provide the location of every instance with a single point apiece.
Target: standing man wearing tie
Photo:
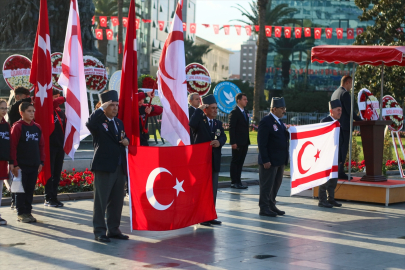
(343, 94)
(207, 129)
(239, 139)
(109, 167)
(273, 142)
(194, 102)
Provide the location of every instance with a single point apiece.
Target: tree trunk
(261, 56)
(119, 36)
(285, 65)
(103, 44)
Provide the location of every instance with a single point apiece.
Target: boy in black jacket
(27, 158)
(5, 149)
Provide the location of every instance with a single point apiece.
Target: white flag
(313, 155)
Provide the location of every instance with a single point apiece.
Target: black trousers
(344, 138)
(28, 180)
(238, 158)
(108, 201)
(57, 154)
(329, 187)
(270, 182)
(215, 176)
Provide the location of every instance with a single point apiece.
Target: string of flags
(288, 31)
(300, 71)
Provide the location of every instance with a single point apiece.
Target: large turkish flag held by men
(313, 155)
(173, 187)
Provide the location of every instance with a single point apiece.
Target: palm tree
(262, 14)
(194, 52)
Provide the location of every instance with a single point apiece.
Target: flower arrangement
(148, 82)
(16, 71)
(56, 59)
(368, 105)
(95, 73)
(198, 85)
(396, 117)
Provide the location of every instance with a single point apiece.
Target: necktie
(244, 113)
(211, 124)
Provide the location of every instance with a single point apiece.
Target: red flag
(307, 31)
(216, 29)
(339, 33)
(193, 28)
(328, 32)
(161, 25)
(125, 22)
(114, 21)
(257, 28)
(350, 33)
(359, 31)
(103, 21)
(238, 29)
(137, 23)
(99, 34)
(318, 33)
(287, 31)
(173, 187)
(248, 29)
(184, 27)
(277, 31)
(93, 20)
(267, 29)
(128, 101)
(297, 31)
(146, 21)
(41, 77)
(226, 29)
(109, 34)
(206, 25)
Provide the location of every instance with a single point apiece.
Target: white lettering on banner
(391, 111)
(56, 70)
(202, 78)
(95, 71)
(362, 105)
(16, 72)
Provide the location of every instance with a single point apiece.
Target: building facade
(248, 60)
(234, 64)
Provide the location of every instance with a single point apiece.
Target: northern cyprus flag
(313, 155)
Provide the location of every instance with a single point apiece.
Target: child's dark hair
(20, 90)
(24, 106)
(56, 92)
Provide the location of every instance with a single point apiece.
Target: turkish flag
(146, 21)
(125, 22)
(193, 28)
(103, 21)
(226, 29)
(318, 33)
(99, 34)
(359, 31)
(114, 20)
(161, 25)
(267, 29)
(93, 20)
(307, 32)
(238, 29)
(339, 33)
(314, 155)
(350, 33)
(277, 31)
(257, 28)
(216, 28)
(328, 32)
(109, 34)
(297, 31)
(172, 187)
(287, 31)
(137, 23)
(184, 27)
(248, 29)
(206, 25)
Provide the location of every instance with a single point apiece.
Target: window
(250, 67)
(114, 51)
(244, 53)
(250, 54)
(250, 61)
(244, 67)
(249, 74)
(244, 61)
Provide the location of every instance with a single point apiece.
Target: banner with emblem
(313, 155)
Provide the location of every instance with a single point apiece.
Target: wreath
(368, 105)
(198, 79)
(396, 116)
(16, 71)
(56, 59)
(95, 73)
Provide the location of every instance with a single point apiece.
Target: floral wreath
(370, 111)
(397, 120)
(20, 65)
(197, 86)
(96, 80)
(56, 59)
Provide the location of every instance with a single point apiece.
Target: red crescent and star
(301, 152)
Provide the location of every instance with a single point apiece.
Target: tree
(194, 52)
(262, 14)
(389, 17)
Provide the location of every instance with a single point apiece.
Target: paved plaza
(356, 236)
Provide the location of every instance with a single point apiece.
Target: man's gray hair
(190, 96)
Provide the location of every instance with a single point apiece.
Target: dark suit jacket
(273, 142)
(14, 111)
(327, 119)
(238, 128)
(344, 97)
(108, 152)
(202, 132)
(191, 111)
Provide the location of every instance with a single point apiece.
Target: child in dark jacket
(5, 149)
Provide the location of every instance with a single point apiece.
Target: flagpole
(351, 124)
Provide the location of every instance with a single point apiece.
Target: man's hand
(15, 171)
(151, 94)
(39, 168)
(267, 165)
(106, 104)
(124, 142)
(215, 143)
(203, 106)
(11, 168)
(288, 126)
(148, 109)
(234, 146)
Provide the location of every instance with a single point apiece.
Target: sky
(220, 12)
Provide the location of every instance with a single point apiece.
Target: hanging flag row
(311, 71)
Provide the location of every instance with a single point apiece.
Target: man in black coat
(335, 109)
(207, 129)
(21, 94)
(273, 143)
(109, 167)
(239, 139)
(193, 101)
(343, 94)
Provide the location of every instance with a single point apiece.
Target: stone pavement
(356, 236)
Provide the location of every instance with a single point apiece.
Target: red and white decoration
(193, 28)
(248, 29)
(318, 33)
(95, 73)
(287, 31)
(350, 33)
(237, 28)
(198, 79)
(73, 83)
(313, 155)
(99, 34)
(103, 21)
(56, 59)
(267, 29)
(110, 34)
(368, 105)
(307, 32)
(226, 29)
(277, 31)
(328, 32)
(298, 31)
(339, 33)
(16, 71)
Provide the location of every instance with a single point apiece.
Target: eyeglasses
(3, 108)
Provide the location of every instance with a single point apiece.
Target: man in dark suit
(239, 139)
(273, 142)
(335, 109)
(109, 167)
(193, 101)
(343, 94)
(207, 129)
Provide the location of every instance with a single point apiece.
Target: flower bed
(361, 166)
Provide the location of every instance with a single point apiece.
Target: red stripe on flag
(69, 141)
(313, 177)
(74, 30)
(73, 101)
(314, 133)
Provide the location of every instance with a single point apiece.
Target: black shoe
(119, 236)
(12, 206)
(325, 204)
(215, 222)
(102, 238)
(59, 203)
(344, 177)
(334, 203)
(51, 203)
(238, 186)
(207, 223)
(267, 213)
(277, 211)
